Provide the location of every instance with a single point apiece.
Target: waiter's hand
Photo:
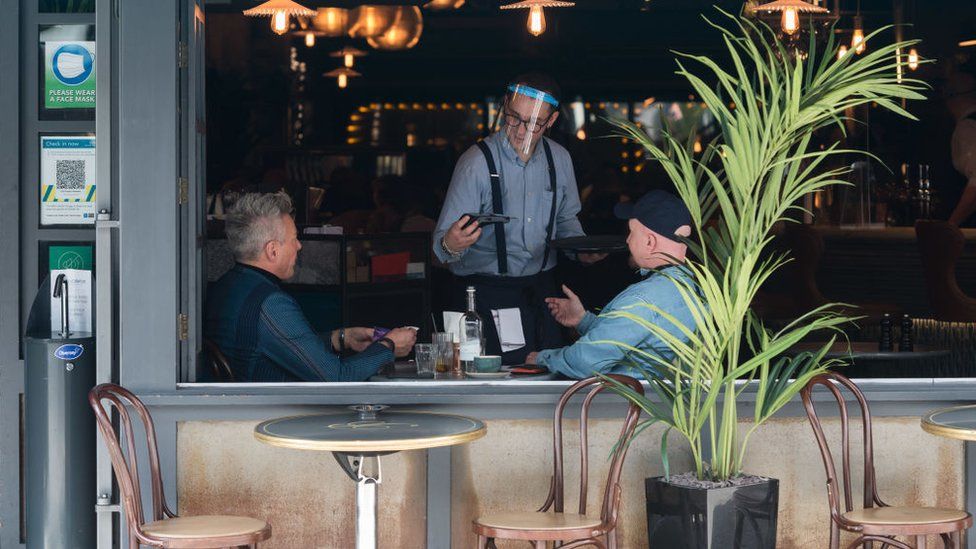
(569, 312)
(458, 238)
(532, 358)
(358, 339)
(590, 258)
(403, 340)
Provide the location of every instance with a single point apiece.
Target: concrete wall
(310, 502)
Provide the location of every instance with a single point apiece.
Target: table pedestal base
(366, 481)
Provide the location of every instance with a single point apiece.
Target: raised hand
(569, 311)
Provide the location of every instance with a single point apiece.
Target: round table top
(868, 350)
(380, 431)
(958, 422)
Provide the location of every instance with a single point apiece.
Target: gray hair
(253, 221)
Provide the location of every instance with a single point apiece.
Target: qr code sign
(70, 175)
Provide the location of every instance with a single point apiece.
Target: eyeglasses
(514, 120)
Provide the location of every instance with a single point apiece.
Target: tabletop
(957, 422)
(369, 428)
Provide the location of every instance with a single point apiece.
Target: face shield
(526, 115)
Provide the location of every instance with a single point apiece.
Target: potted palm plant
(768, 106)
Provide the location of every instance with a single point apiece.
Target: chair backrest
(834, 382)
(940, 244)
(219, 365)
(125, 465)
(611, 493)
(807, 247)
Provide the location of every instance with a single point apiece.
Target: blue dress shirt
(527, 197)
(585, 358)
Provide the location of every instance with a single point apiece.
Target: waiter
(519, 173)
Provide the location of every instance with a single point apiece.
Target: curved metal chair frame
(127, 470)
(885, 534)
(555, 499)
(219, 365)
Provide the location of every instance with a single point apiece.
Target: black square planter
(738, 517)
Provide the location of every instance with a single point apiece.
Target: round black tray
(592, 244)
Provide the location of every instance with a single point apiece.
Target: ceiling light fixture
(342, 75)
(537, 18)
(790, 10)
(279, 11)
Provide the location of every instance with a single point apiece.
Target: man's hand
(590, 258)
(532, 358)
(403, 340)
(358, 339)
(459, 239)
(569, 312)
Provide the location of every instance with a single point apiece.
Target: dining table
(359, 437)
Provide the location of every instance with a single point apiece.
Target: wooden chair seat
(223, 530)
(889, 519)
(559, 525)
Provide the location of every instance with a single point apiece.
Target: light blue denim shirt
(527, 197)
(585, 358)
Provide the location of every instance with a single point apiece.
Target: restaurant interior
(369, 154)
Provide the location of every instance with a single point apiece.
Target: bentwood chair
(219, 365)
(876, 521)
(165, 529)
(550, 523)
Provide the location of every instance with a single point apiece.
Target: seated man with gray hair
(260, 327)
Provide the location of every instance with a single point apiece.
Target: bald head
(651, 250)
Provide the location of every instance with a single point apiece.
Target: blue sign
(72, 64)
(69, 351)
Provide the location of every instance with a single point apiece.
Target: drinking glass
(443, 341)
(426, 356)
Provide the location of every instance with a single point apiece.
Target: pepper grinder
(885, 344)
(906, 343)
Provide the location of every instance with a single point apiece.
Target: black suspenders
(498, 204)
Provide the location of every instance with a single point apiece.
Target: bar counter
(211, 460)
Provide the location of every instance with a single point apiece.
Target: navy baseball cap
(659, 211)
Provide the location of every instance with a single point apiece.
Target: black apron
(526, 293)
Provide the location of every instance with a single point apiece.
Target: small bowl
(490, 363)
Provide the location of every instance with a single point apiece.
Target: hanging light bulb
(913, 59)
(405, 33)
(791, 21)
(310, 39)
(444, 4)
(371, 21)
(279, 23)
(279, 11)
(342, 76)
(537, 19)
(790, 10)
(348, 55)
(841, 52)
(857, 39)
(331, 21)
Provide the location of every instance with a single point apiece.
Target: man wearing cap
(519, 173)
(657, 222)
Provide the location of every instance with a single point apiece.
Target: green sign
(70, 257)
(69, 75)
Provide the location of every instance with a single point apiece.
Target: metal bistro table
(364, 435)
(957, 422)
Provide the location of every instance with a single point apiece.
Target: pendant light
(342, 76)
(841, 52)
(279, 11)
(790, 10)
(405, 32)
(331, 22)
(371, 21)
(443, 4)
(348, 55)
(537, 18)
(857, 39)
